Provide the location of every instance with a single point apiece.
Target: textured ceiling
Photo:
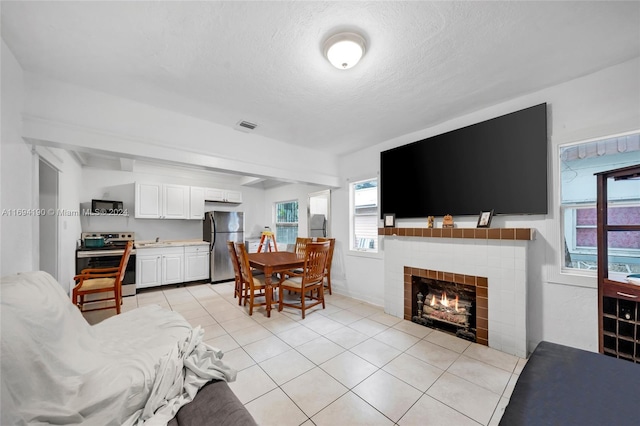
(426, 62)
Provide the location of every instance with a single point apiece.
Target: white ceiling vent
(245, 126)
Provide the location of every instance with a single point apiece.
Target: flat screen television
(499, 164)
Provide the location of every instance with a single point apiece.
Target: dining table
(273, 262)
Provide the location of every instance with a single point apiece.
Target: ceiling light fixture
(344, 50)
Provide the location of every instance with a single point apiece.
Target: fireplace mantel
(474, 233)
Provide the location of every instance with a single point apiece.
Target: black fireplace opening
(445, 306)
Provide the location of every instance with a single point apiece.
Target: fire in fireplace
(447, 306)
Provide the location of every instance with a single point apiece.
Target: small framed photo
(389, 220)
(484, 220)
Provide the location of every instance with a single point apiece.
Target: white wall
(561, 308)
(119, 185)
(17, 239)
(61, 114)
(19, 235)
(293, 192)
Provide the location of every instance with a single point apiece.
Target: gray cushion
(214, 404)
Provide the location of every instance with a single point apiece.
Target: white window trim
(355, 252)
(275, 217)
(555, 273)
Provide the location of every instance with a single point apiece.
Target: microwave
(107, 207)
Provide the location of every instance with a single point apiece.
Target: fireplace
(478, 256)
(453, 303)
(446, 306)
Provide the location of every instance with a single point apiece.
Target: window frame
(353, 250)
(556, 272)
(286, 224)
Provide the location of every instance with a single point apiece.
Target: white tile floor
(349, 364)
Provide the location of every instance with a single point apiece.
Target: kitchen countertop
(169, 243)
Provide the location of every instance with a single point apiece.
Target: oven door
(103, 260)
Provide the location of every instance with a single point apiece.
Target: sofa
(565, 386)
(145, 366)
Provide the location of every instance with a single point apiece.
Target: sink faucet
(157, 239)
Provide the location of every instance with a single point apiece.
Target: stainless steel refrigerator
(218, 228)
(317, 226)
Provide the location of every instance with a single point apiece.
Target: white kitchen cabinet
(196, 203)
(252, 246)
(222, 195)
(175, 201)
(161, 201)
(148, 202)
(213, 194)
(148, 269)
(159, 266)
(173, 266)
(196, 263)
(233, 196)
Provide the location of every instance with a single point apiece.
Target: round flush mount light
(344, 50)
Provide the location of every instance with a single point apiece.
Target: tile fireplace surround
(499, 255)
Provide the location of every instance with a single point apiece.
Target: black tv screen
(499, 164)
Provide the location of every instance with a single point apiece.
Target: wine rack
(621, 328)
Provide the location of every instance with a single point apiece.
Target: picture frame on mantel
(484, 220)
(389, 220)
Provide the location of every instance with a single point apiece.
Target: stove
(109, 256)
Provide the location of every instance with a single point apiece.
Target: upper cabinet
(175, 201)
(168, 201)
(196, 203)
(222, 195)
(161, 201)
(148, 204)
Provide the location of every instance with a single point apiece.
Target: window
(286, 222)
(364, 216)
(578, 164)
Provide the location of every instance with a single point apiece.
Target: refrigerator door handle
(213, 226)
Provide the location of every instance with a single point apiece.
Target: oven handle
(85, 254)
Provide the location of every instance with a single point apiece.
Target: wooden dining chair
(312, 279)
(299, 249)
(240, 290)
(327, 269)
(254, 285)
(301, 245)
(102, 280)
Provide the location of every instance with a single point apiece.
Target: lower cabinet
(148, 269)
(171, 265)
(196, 263)
(159, 266)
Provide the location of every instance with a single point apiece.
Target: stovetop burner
(107, 246)
(113, 240)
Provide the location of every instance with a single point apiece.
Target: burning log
(446, 309)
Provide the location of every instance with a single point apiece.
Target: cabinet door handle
(632, 296)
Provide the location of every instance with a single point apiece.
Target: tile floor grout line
(223, 294)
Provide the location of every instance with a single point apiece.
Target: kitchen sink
(158, 244)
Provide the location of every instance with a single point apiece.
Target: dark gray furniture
(566, 386)
(214, 404)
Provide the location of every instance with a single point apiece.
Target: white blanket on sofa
(139, 367)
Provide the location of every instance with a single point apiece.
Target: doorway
(48, 222)
(318, 214)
